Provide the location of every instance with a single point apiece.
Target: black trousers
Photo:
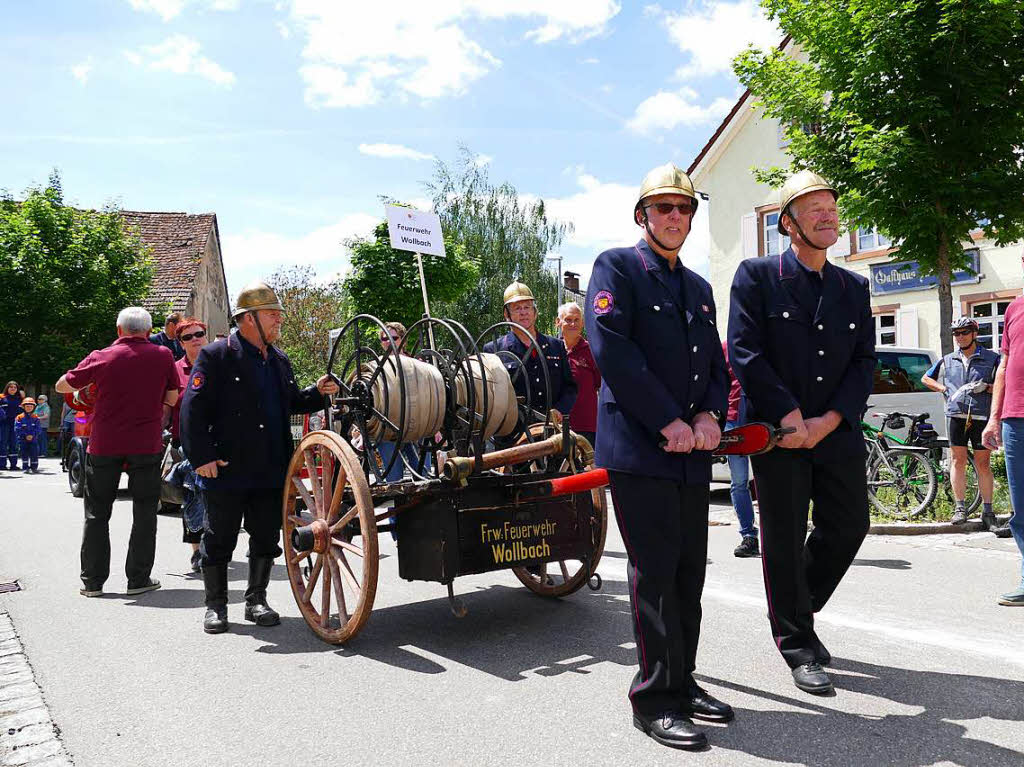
(664, 525)
(227, 511)
(102, 475)
(801, 571)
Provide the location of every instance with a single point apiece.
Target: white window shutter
(906, 323)
(842, 247)
(748, 232)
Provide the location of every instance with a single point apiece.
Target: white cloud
(713, 34)
(284, 29)
(82, 70)
(591, 60)
(169, 9)
(355, 55)
(392, 151)
(180, 54)
(482, 159)
(601, 212)
(257, 254)
(666, 110)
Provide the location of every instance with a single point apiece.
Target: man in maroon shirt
(1006, 428)
(134, 381)
(583, 416)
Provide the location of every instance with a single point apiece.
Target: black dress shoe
(671, 729)
(811, 677)
(701, 705)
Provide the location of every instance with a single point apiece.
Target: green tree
(385, 282)
(64, 275)
(312, 309)
(913, 109)
(506, 236)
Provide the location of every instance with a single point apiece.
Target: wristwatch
(716, 414)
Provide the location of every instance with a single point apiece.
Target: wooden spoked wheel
(330, 536)
(563, 577)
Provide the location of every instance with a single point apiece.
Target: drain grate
(12, 586)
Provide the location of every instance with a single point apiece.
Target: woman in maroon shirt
(192, 337)
(583, 417)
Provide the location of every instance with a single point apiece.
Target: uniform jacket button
(261, 425)
(696, 377)
(695, 348)
(786, 315)
(853, 326)
(819, 379)
(237, 378)
(821, 327)
(821, 352)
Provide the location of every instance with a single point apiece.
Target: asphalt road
(928, 668)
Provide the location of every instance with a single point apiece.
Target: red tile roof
(178, 243)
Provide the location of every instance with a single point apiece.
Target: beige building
(189, 274)
(742, 219)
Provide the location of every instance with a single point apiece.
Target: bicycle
(901, 480)
(923, 434)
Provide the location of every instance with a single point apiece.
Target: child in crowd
(27, 428)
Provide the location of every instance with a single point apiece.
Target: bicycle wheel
(973, 494)
(901, 483)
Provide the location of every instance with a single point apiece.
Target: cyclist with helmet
(965, 377)
(664, 392)
(235, 432)
(802, 345)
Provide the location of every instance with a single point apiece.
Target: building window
(870, 239)
(885, 329)
(990, 316)
(774, 243)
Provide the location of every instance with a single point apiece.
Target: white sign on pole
(414, 230)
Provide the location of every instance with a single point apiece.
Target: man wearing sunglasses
(664, 391)
(964, 377)
(802, 345)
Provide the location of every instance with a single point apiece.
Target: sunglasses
(963, 332)
(386, 339)
(664, 208)
(190, 336)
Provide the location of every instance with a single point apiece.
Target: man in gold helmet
(521, 308)
(235, 431)
(664, 391)
(802, 345)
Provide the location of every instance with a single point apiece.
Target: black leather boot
(215, 579)
(256, 608)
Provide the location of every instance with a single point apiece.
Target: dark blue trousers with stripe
(664, 525)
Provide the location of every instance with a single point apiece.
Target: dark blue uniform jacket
(659, 360)
(222, 414)
(789, 349)
(563, 385)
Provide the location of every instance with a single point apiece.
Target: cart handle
(570, 485)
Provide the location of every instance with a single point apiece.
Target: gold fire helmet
(797, 185)
(665, 179)
(518, 291)
(254, 297)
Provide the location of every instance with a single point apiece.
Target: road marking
(925, 635)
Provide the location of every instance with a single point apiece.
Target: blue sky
(290, 119)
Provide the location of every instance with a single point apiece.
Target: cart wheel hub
(312, 537)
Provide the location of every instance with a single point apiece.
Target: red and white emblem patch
(603, 302)
(197, 381)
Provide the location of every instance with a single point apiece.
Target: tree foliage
(385, 282)
(312, 310)
(64, 276)
(506, 236)
(913, 109)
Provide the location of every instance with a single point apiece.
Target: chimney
(572, 281)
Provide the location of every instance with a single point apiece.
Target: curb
(930, 528)
(28, 736)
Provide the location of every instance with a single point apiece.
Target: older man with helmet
(235, 431)
(521, 308)
(802, 345)
(664, 391)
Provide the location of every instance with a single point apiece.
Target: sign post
(420, 233)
